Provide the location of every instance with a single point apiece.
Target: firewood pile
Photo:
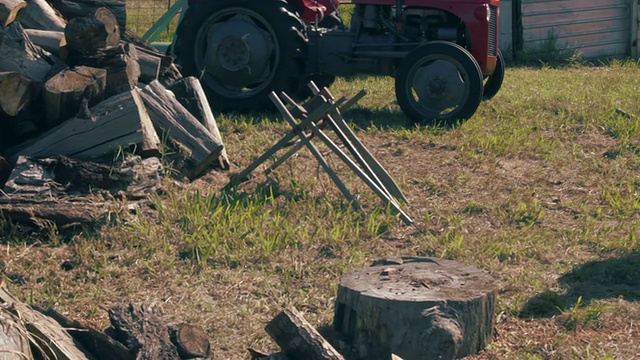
(76, 88)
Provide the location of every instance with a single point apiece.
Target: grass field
(541, 188)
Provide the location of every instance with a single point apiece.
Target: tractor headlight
(483, 13)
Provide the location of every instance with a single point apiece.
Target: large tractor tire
(439, 82)
(242, 50)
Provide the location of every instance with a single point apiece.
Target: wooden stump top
(418, 279)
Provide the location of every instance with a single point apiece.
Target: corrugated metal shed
(601, 28)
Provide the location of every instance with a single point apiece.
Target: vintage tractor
(443, 54)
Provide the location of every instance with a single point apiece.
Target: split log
(143, 330)
(14, 343)
(40, 15)
(298, 339)
(88, 34)
(181, 127)
(418, 308)
(72, 9)
(48, 40)
(64, 92)
(99, 344)
(9, 10)
(117, 122)
(190, 94)
(150, 64)
(165, 61)
(19, 54)
(121, 63)
(16, 92)
(50, 338)
(191, 341)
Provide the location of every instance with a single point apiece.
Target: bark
(190, 94)
(16, 93)
(181, 127)
(19, 54)
(64, 92)
(40, 15)
(298, 339)
(72, 9)
(9, 10)
(417, 308)
(88, 34)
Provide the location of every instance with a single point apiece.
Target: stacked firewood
(74, 82)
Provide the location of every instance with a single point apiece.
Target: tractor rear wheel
(242, 50)
(439, 82)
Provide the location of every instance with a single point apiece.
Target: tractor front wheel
(242, 50)
(493, 82)
(439, 82)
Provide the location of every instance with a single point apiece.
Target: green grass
(539, 188)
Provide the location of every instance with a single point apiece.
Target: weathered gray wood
(99, 344)
(64, 92)
(16, 93)
(14, 343)
(121, 63)
(119, 121)
(71, 9)
(88, 34)
(48, 40)
(9, 10)
(171, 117)
(150, 65)
(417, 308)
(40, 15)
(298, 339)
(49, 336)
(19, 54)
(165, 61)
(190, 94)
(143, 330)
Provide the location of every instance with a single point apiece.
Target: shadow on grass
(617, 277)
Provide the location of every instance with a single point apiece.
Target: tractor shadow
(617, 277)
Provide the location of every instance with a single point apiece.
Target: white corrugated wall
(595, 28)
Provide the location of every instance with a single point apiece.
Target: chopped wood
(117, 122)
(298, 339)
(88, 34)
(99, 344)
(121, 63)
(150, 64)
(143, 330)
(48, 40)
(71, 9)
(181, 127)
(9, 10)
(190, 340)
(165, 61)
(63, 93)
(191, 95)
(14, 341)
(417, 308)
(5, 171)
(47, 335)
(40, 15)
(16, 92)
(19, 54)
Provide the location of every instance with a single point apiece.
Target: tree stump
(415, 307)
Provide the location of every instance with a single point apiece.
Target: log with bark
(121, 63)
(64, 92)
(71, 9)
(40, 15)
(418, 308)
(190, 94)
(19, 54)
(181, 127)
(16, 92)
(298, 339)
(88, 34)
(117, 122)
(9, 10)
(48, 40)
